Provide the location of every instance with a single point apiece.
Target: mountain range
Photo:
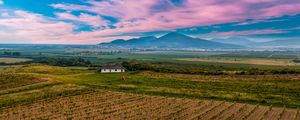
(288, 43)
(171, 40)
(175, 40)
(235, 41)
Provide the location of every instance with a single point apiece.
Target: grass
(10, 80)
(51, 70)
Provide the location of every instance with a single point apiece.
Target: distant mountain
(141, 42)
(235, 41)
(131, 43)
(282, 43)
(118, 41)
(171, 40)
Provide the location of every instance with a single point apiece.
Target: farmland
(274, 89)
(115, 105)
(13, 60)
(203, 85)
(243, 61)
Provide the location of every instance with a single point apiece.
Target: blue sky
(95, 21)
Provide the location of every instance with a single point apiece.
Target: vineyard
(116, 105)
(38, 91)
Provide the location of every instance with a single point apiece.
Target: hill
(169, 41)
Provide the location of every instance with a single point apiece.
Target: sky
(96, 21)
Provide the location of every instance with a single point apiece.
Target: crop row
(115, 105)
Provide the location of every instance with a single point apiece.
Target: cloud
(255, 21)
(27, 27)
(121, 9)
(4, 14)
(140, 16)
(144, 16)
(95, 21)
(1, 2)
(33, 27)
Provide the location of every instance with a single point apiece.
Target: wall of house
(105, 70)
(112, 70)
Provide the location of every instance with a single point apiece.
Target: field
(13, 60)
(276, 90)
(115, 105)
(256, 61)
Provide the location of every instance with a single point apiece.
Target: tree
(297, 60)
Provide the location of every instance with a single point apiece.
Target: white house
(109, 68)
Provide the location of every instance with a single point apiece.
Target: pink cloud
(282, 9)
(192, 13)
(26, 27)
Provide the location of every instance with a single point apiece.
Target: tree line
(297, 60)
(8, 53)
(55, 61)
(187, 69)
